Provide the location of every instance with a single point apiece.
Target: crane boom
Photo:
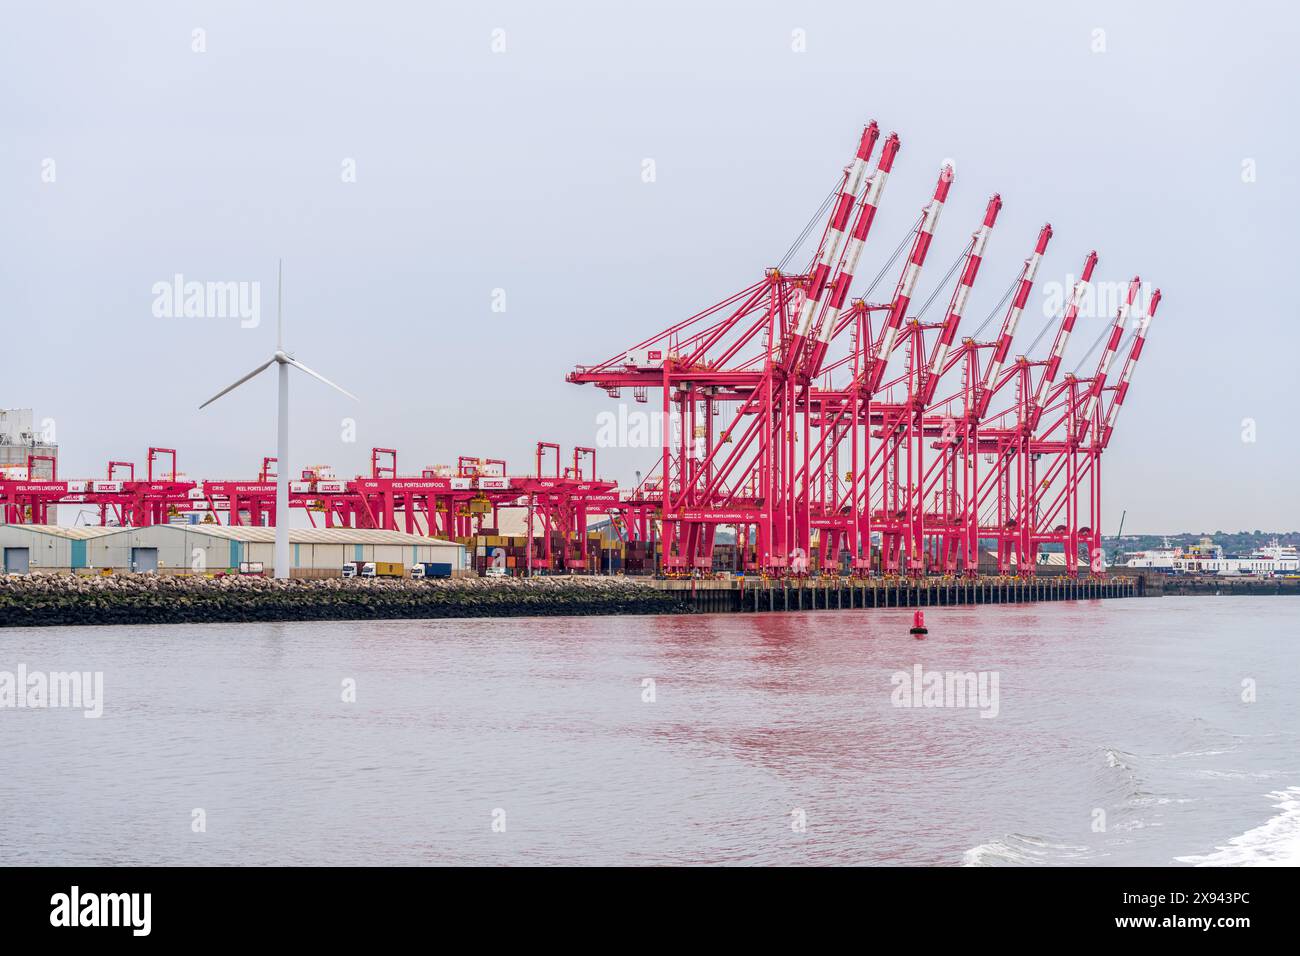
(875, 372)
(974, 256)
(1012, 318)
(853, 251)
(1107, 357)
(831, 247)
(1062, 338)
(1135, 353)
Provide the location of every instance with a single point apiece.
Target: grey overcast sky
(520, 170)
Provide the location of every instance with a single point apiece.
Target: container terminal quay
(821, 446)
(450, 525)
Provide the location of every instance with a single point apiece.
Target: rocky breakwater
(45, 600)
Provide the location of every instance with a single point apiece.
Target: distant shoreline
(1180, 586)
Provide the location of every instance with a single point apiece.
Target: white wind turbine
(284, 360)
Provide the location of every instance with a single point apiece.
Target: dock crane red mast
(802, 379)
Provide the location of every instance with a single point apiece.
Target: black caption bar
(332, 906)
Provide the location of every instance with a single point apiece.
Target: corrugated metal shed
(205, 548)
(258, 533)
(83, 533)
(44, 547)
(212, 547)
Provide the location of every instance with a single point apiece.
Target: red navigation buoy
(919, 630)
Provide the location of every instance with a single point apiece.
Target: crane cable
(997, 308)
(819, 214)
(893, 256)
(944, 282)
(1039, 337)
(1092, 348)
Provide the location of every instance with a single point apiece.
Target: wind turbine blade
(302, 368)
(230, 388)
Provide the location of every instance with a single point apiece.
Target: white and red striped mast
(960, 295)
(1011, 320)
(1108, 356)
(831, 246)
(1135, 353)
(1062, 338)
(852, 253)
(875, 373)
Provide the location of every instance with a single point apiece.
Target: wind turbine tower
(282, 360)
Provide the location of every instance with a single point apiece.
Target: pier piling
(754, 595)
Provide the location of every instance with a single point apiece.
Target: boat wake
(1016, 849)
(1120, 779)
(1121, 784)
(1274, 843)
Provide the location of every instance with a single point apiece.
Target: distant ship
(1208, 558)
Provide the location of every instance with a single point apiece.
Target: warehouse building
(44, 547)
(177, 548)
(212, 547)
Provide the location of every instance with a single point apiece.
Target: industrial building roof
(80, 533)
(259, 534)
